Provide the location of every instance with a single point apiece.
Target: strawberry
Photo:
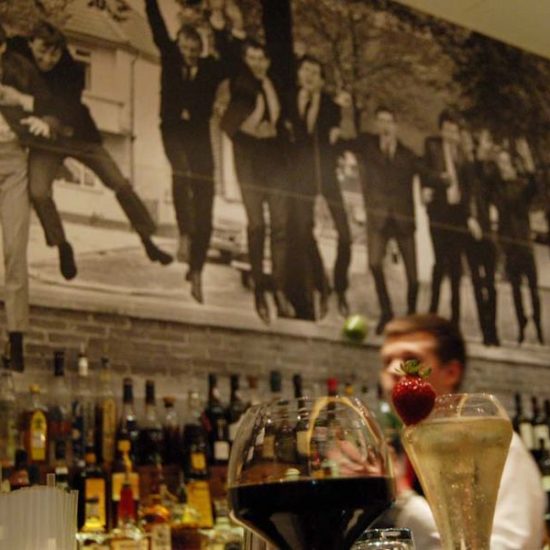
(413, 397)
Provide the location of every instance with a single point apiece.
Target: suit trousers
(190, 156)
(43, 167)
(482, 256)
(15, 216)
(261, 171)
(449, 242)
(377, 242)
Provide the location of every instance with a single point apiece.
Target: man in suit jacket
(22, 94)
(447, 182)
(315, 121)
(188, 87)
(79, 138)
(387, 170)
(253, 120)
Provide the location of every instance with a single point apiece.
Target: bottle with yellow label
(92, 495)
(34, 428)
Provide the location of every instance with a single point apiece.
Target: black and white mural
(285, 160)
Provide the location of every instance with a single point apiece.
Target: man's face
(309, 77)
(45, 56)
(450, 132)
(190, 49)
(257, 62)
(421, 346)
(386, 125)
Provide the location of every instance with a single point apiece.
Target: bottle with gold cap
(122, 473)
(34, 428)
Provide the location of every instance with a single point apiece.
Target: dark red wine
(319, 514)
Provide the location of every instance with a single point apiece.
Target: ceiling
(522, 23)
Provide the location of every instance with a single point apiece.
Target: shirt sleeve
(519, 513)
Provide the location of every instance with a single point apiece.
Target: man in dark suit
(254, 122)
(22, 96)
(315, 121)
(188, 87)
(387, 170)
(80, 139)
(447, 181)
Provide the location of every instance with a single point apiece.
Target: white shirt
(6, 133)
(453, 191)
(519, 515)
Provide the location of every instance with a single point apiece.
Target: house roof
(132, 33)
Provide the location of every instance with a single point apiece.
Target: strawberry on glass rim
(413, 396)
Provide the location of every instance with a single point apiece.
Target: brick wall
(179, 355)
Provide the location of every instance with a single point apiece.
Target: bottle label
(526, 434)
(161, 537)
(540, 431)
(198, 497)
(302, 443)
(268, 449)
(546, 483)
(38, 436)
(94, 488)
(198, 462)
(108, 429)
(117, 482)
(221, 450)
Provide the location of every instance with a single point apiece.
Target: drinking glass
(385, 539)
(459, 453)
(309, 473)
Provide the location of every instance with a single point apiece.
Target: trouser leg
(203, 199)
(43, 167)
(15, 213)
(407, 247)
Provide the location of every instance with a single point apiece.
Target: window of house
(83, 58)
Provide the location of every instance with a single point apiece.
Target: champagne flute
(459, 453)
(309, 473)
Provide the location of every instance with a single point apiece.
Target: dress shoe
(16, 358)
(343, 306)
(184, 245)
(194, 277)
(67, 264)
(284, 309)
(262, 309)
(154, 253)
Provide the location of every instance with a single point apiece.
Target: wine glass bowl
(309, 473)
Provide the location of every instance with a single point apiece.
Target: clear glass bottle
(83, 412)
(8, 415)
(151, 435)
(59, 414)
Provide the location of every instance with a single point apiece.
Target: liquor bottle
(270, 429)
(236, 408)
(128, 425)
(19, 476)
(522, 425)
(127, 535)
(302, 426)
(155, 515)
(92, 495)
(285, 436)
(8, 415)
(349, 389)
(540, 424)
(322, 427)
(216, 424)
(194, 442)
(150, 441)
(59, 415)
(83, 412)
(106, 416)
(171, 431)
(122, 472)
(185, 521)
(253, 395)
(34, 428)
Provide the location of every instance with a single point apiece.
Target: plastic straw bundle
(38, 518)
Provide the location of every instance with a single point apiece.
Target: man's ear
(453, 373)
